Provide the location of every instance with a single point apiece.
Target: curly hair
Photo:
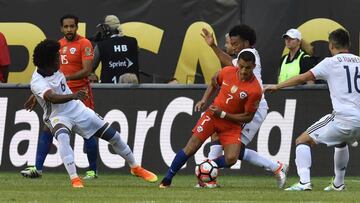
(245, 32)
(46, 53)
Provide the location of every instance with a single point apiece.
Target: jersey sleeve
(87, 51)
(39, 87)
(321, 71)
(253, 101)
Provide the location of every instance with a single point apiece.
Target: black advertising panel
(156, 122)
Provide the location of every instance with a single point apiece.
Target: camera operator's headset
(103, 32)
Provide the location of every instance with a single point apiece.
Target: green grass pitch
(55, 187)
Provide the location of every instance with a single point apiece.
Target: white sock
(303, 162)
(123, 150)
(67, 154)
(256, 159)
(341, 159)
(215, 151)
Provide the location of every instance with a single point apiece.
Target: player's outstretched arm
(296, 80)
(224, 58)
(54, 98)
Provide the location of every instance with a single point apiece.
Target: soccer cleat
(31, 172)
(300, 187)
(165, 183)
(77, 183)
(90, 175)
(143, 173)
(332, 187)
(281, 173)
(210, 185)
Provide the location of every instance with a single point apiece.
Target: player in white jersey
(63, 113)
(243, 38)
(342, 127)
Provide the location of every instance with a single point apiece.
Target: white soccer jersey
(257, 72)
(57, 83)
(342, 73)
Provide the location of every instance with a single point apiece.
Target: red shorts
(229, 132)
(89, 101)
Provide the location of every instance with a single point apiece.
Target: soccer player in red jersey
(76, 58)
(235, 104)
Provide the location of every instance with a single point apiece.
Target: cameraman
(118, 53)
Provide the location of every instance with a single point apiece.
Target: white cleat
(332, 187)
(300, 187)
(281, 174)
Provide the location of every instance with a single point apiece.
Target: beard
(70, 36)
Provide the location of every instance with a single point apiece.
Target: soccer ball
(207, 171)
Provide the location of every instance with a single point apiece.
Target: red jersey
(71, 55)
(236, 96)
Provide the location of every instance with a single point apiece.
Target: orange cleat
(143, 173)
(77, 183)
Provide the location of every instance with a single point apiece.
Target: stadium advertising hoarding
(156, 122)
(168, 32)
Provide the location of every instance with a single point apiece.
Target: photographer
(118, 53)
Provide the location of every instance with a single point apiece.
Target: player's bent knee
(61, 130)
(106, 132)
(304, 138)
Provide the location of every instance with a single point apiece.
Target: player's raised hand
(30, 103)
(200, 105)
(270, 88)
(216, 110)
(209, 37)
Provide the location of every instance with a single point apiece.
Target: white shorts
(332, 131)
(250, 129)
(85, 124)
